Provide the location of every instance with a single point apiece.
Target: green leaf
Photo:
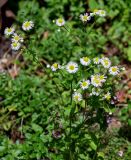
(101, 154)
(129, 53)
(129, 122)
(37, 128)
(93, 145)
(93, 4)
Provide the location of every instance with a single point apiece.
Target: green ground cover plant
(60, 104)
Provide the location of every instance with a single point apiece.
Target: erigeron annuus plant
(88, 93)
(90, 96)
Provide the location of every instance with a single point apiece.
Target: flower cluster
(94, 83)
(83, 17)
(87, 16)
(17, 39)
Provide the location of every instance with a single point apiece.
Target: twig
(21, 127)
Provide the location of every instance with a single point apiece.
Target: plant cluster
(60, 107)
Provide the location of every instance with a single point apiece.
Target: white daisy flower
(55, 67)
(96, 81)
(8, 31)
(72, 67)
(102, 13)
(85, 17)
(15, 46)
(27, 25)
(16, 38)
(105, 62)
(60, 22)
(107, 96)
(85, 61)
(96, 60)
(77, 97)
(84, 84)
(114, 70)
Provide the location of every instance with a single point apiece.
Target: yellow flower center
(84, 84)
(60, 20)
(9, 30)
(76, 98)
(71, 67)
(85, 59)
(14, 44)
(27, 24)
(16, 38)
(55, 65)
(85, 18)
(114, 69)
(106, 62)
(96, 59)
(96, 80)
(102, 12)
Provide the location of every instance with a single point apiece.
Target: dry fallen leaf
(10, 14)
(14, 71)
(121, 96)
(2, 3)
(45, 35)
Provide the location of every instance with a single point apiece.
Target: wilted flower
(85, 61)
(60, 22)
(114, 70)
(27, 25)
(15, 46)
(120, 153)
(85, 17)
(56, 134)
(77, 97)
(72, 67)
(109, 120)
(84, 84)
(9, 31)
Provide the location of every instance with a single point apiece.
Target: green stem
(70, 146)
(71, 89)
(76, 37)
